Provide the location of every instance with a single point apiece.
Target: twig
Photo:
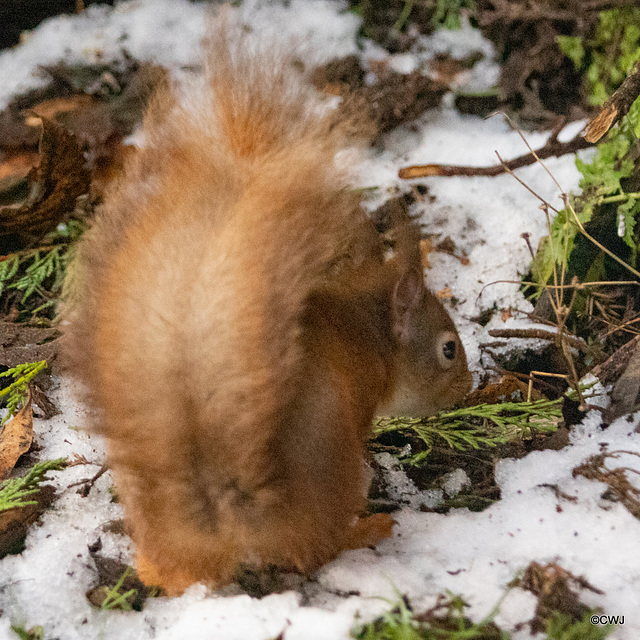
(622, 327)
(553, 139)
(552, 148)
(87, 483)
(540, 334)
(529, 378)
(569, 285)
(616, 107)
(545, 205)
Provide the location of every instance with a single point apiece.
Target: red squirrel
(237, 328)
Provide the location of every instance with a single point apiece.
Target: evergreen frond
(485, 425)
(13, 491)
(16, 392)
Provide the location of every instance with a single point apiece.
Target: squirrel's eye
(447, 349)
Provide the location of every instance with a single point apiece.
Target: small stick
(532, 375)
(552, 148)
(89, 482)
(541, 334)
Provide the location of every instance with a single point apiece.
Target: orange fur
(235, 369)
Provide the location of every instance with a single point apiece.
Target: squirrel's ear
(407, 295)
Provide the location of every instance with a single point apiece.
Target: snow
(474, 554)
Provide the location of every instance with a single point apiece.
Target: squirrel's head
(431, 365)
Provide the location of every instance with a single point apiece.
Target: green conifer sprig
(40, 272)
(13, 491)
(38, 267)
(485, 425)
(17, 391)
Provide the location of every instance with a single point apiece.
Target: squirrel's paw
(369, 531)
(172, 583)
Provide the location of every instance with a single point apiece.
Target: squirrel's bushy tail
(235, 197)
(194, 281)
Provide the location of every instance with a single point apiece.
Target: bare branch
(551, 149)
(540, 334)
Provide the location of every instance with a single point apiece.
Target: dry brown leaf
(508, 389)
(505, 314)
(395, 98)
(99, 105)
(610, 370)
(57, 108)
(447, 69)
(16, 167)
(46, 408)
(448, 246)
(16, 438)
(53, 186)
(444, 293)
(601, 124)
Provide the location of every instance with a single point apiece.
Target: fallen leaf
(15, 167)
(508, 389)
(15, 134)
(395, 98)
(448, 246)
(53, 186)
(447, 69)
(339, 75)
(610, 371)
(99, 104)
(58, 108)
(505, 314)
(444, 293)
(46, 408)
(16, 438)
